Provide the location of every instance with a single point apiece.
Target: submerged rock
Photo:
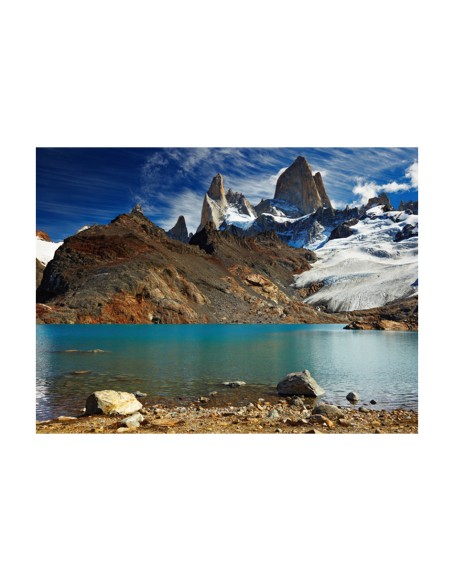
(112, 402)
(353, 396)
(301, 384)
(235, 383)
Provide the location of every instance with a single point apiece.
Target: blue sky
(80, 186)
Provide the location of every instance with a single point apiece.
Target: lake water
(185, 361)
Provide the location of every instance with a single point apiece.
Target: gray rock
(329, 410)
(363, 409)
(353, 396)
(133, 421)
(140, 394)
(301, 384)
(112, 402)
(235, 383)
(273, 414)
(298, 401)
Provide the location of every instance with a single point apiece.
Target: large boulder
(300, 384)
(112, 402)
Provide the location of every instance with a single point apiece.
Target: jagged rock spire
(214, 204)
(179, 231)
(138, 209)
(298, 186)
(321, 190)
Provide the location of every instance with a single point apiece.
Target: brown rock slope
(130, 271)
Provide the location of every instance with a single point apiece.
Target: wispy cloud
(77, 186)
(412, 174)
(365, 190)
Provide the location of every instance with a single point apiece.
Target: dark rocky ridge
(130, 271)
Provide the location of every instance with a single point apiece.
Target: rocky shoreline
(289, 415)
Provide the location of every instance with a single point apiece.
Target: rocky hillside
(131, 271)
(250, 264)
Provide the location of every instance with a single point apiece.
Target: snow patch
(45, 250)
(367, 269)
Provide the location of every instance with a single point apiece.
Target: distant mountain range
(293, 258)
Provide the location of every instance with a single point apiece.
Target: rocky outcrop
(43, 235)
(241, 203)
(408, 231)
(381, 200)
(322, 191)
(297, 186)
(299, 384)
(112, 402)
(130, 271)
(411, 206)
(215, 204)
(399, 315)
(39, 272)
(344, 229)
(179, 231)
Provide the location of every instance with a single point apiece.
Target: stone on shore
(273, 414)
(299, 384)
(353, 396)
(112, 402)
(320, 419)
(329, 410)
(133, 421)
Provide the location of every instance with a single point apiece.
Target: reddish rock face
(43, 235)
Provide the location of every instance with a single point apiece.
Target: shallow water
(172, 361)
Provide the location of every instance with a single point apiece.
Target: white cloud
(412, 174)
(394, 187)
(274, 177)
(365, 190)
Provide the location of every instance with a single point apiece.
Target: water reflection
(190, 360)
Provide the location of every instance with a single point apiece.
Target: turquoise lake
(182, 362)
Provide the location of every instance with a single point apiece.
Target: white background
(237, 73)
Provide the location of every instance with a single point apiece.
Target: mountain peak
(216, 190)
(215, 203)
(180, 230)
(137, 209)
(321, 190)
(297, 186)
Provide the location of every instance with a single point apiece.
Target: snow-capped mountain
(367, 256)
